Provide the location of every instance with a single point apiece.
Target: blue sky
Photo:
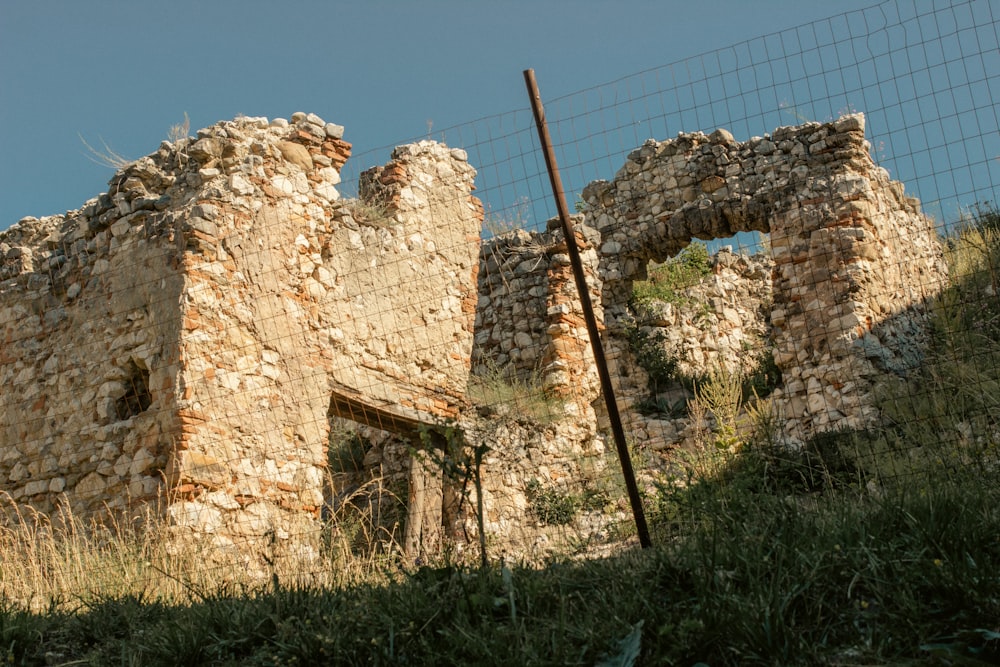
(125, 71)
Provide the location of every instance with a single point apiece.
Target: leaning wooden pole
(588, 311)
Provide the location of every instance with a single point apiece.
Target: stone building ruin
(186, 339)
(853, 262)
(187, 336)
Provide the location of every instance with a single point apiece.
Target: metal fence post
(588, 311)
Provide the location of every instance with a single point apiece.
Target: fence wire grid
(746, 315)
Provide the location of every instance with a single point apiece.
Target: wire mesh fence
(242, 366)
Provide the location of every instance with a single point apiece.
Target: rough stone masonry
(855, 263)
(185, 337)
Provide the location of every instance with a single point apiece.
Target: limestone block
(143, 486)
(141, 462)
(198, 468)
(35, 487)
(195, 515)
(240, 184)
(91, 486)
(221, 500)
(19, 471)
(296, 154)
(256, 519)
(283, 184)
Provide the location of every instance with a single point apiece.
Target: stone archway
(855, 259)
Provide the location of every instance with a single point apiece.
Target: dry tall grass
(64, 560)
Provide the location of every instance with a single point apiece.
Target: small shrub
(667, 281)
(346, 452)
(551, 506)
(839, 455)
(660, 367)
(596, 497)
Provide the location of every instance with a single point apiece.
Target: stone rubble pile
(722, 321)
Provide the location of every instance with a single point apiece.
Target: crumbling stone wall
(840, 299)
(90, 321)
(855, 261)
(185, 337)
(529, 321)
(188, 336)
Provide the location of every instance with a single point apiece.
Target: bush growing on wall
(667, 281)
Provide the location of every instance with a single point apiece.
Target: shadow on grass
(837, 578)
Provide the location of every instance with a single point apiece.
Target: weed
(108, 157)
(180, 130)
(551, 506)
(363, 529)
(985, 217)
(371, 212)
(502, 388)
(667, 281)
(721, 394)
(503, 221)
(105, 156)
(346, 453)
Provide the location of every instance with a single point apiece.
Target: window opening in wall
(136, 398)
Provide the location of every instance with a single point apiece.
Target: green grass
(758, 580)
(667, 281)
